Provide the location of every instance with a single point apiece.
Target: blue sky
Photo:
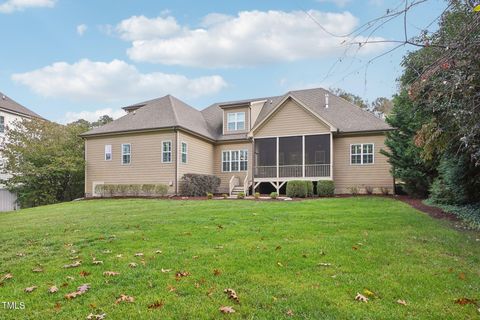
(67, 59)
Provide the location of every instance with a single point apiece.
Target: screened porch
(305, 157)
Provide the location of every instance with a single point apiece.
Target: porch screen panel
(266, 158)
(317, 155)
(290, 156)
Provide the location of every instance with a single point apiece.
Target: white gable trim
(282, 102)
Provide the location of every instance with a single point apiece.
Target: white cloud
(142, 28)
(91, 115)
(250, 38)
(10, 6)
(338, 3)
(81, 28)
(114, 81)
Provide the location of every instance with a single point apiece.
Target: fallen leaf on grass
(73, 265)
(279, 264)
(52, 289)
(119, 255)
(125, 298)
(361, 298)
(132, 265)
(84, 273)
(166, 270)
(354, 248)
(227, 310)
(73, 258)
(7, 277)
(38, 269)
(369, 293)
(181, 274)
(158, 251)
(97, 262)
(402, 302)
(324, 264)
(106, 251)
(156, 305)
(80, 290)
(464, 301)
(138, 254)
(461, 276)
(70, 278)
(171, 288)
(30, 289)
(20, 254)
(216, 272)
(232, 295)
(57, 306)
(289, 313)
(111, 273)
(92, 316)
(64, 285)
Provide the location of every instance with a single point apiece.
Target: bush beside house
(195, 185)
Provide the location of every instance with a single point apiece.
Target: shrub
(257, 195)
(122, 189)
(198, 184)
(353, 190)
(161, 189)
(369, 190)
(148, 189)
(309, 186)
(469, 213)
(385, 191)
(225, 196)
(134, 189)
(241, 195)
(297, 188)
(100, 189)
(209, 196)
(325, 188)
(110, 190)
(273, 195)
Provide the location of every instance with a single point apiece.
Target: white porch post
(331, 156)
(278, 157)
(303, 156)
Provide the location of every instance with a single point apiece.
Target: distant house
(10, 111)
(253, 143)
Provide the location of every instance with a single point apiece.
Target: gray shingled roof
(168, 111)
(8, 104)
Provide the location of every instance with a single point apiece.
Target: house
(10, 112)
(249, 144)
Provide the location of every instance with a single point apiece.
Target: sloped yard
(292, 260)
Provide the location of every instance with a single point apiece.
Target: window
(184, 152)
(361, 153)
(108, 152)
(126, 153)
(235, 160)
(235, 121)
(167, 151)
(2, 124)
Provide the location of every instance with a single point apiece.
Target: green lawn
(268, 252)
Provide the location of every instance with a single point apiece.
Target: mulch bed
(433, 212)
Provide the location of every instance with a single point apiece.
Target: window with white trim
(234, 160)
(184, 152)
(126, 153)
(2, 124)
(235, 121)
(167, 151)
(361, 153)
(108, 152)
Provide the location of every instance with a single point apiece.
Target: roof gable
(8, 104)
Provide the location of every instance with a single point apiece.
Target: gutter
(175, 129)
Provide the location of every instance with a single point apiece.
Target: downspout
(253, 165)
(176, 159)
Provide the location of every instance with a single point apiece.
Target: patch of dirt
(433, 212)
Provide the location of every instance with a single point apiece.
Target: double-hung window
(167, 151)
(235, 121)
(184, 152)
(126, 153)
(2, 124)
(234, 160)
(362, 153)
(108, 152)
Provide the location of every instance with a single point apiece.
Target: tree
(382, 105)
(350, 97)
(102, 121)
(404, 155)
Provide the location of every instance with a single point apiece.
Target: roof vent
(4, 97)
(326, 100)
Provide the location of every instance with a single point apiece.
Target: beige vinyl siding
(199, 155)
(226, 176)
(145, 166)
(291, 119)
(234, 110)
(346, 175)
